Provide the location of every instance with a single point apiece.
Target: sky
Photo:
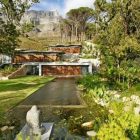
(62, 6)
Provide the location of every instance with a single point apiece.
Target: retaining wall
(22, 71)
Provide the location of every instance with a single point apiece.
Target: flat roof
(38, 52)
(66, 46)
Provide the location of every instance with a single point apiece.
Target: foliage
(27, 27)
(118, 28)
(8, 38)
(120, 125)
(122, 122)
(7, 70)
(75, 24)
(90, 30)
(21, 136)
(14, 10)
(90, 50)
(90, 81)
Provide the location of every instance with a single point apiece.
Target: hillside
(42, 43)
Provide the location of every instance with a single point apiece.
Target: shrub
(7, 70)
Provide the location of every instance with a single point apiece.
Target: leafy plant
(7, 70)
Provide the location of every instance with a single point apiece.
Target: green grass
(41, 43)
(36, 43)
(133, 90)
(15, 90)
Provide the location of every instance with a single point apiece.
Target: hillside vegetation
(42, 43)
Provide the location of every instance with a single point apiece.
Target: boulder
(87, 124)
(91, 133)
(4, 128)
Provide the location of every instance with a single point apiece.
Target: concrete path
(57, 92)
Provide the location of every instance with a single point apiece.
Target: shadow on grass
(5, 87)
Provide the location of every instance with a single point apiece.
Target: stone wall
(36, 58)
(61, 70)
(67, 50)
(20, 72)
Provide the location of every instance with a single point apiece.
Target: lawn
(15, 90)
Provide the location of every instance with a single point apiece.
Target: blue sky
(62, 6)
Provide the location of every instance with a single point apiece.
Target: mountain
(41, 17)
(46, 22)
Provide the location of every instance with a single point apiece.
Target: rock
(47, 22)
(137, 110)
(33, 121)
(4, 128)
(11, 127)
(91, 133)
(87, 124)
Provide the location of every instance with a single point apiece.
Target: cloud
(62, 6)
(72, 4)
(47, 5)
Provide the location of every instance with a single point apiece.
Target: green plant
(120, 125)
(7, 70)
(91, 81)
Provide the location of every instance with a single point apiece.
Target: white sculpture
(33, 121)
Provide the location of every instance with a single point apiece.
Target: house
(52, 62)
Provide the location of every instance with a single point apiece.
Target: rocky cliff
(46, 22)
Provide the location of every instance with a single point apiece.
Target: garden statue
(33, 121)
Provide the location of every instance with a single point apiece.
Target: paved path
(57, 92)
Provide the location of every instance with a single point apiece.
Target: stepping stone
(24, 133)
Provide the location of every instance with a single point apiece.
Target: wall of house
(66, 50)
(36, 58)
(5, 59)
(61, 70)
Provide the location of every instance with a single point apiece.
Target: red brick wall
(67, 49)
(61, 70)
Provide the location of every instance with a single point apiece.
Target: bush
(120, 125)
(7, 70)
(91, 81)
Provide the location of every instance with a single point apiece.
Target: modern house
(59, 60)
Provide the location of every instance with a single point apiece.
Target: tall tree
(80, 17)
(14, 9)
(8, 38)
(118, 23)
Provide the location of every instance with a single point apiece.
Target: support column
(90, 68)
(40, 70)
